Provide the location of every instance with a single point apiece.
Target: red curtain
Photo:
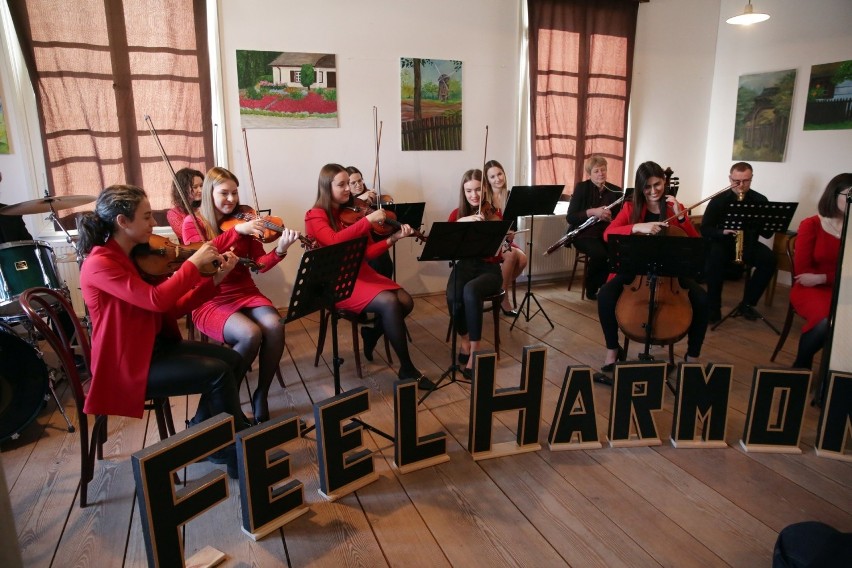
(581, 54)
(97, 70)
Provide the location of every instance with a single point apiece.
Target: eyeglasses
(746, 180)
(844, 192)
(358, 182)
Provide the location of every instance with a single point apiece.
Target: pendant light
(748, 17)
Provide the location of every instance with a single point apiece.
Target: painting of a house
(287, 89)
(829, 105)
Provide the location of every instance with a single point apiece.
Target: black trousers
(191, 367)
(471, 281)
(720, 253)
(611, 291)
(597, 269)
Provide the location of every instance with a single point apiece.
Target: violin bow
(251, 175)
(691, 207)
(377, 176)
(183, 198)
(482, 182)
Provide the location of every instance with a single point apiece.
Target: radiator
(548, 230)
(66, 264)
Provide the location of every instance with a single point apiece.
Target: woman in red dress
(815, 264)
(240, 315)
(373, 292)
(137, 349)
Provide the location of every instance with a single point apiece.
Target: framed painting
(285, 89)
(431, 103)
(5, 148)
(764, 101)
(829, 105)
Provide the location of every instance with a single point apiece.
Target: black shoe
(423, 382)
(370, 339)
(467, 374)
(227, 456)
(714, 315)
(260, 407)
(602, 379)
(509, 313)
(748, 312)
(591, 294)
(463, 358)
(620, 356)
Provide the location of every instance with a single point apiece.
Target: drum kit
(25, 379)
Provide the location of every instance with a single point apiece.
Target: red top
(621, 225)
(127, 314)
(816, 252)
(238, 290)
(369, 282)
(175, 217)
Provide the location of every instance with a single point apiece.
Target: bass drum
(23, 384)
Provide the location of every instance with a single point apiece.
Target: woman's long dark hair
(827, 206)
(644, 172)
(465, 208)
(185, 177)
(95, 227)
(324, 197)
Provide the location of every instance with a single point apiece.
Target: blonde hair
(216, 176)
(593, 162)
(498, 201)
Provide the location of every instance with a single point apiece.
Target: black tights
(391, 307)
(809, 345)
(254, 330)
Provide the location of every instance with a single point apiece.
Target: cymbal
(44, 204)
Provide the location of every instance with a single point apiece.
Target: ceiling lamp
(748, 17)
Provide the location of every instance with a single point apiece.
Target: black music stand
(531, 200)
(406, 214)
(774, 216)
(655, 256)
(454, 242)
(326, 276)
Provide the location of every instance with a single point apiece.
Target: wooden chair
(45, 307)
(494, 308)
(785, 262)
(355, 319)
(788, 320)
(579, 257)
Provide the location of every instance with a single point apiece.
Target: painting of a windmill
(764, 101)
(431, 102)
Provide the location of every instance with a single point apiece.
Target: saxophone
(738, 250)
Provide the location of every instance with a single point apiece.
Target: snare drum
(23, 384)
(25, 264)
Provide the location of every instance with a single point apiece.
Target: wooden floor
(610, 507)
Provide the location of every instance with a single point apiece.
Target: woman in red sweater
(815, 264)
(373, 292)
(240, 315)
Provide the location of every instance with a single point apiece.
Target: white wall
(683, 114)
(369, 37)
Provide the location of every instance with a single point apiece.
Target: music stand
(406, 214)
(774, 216)
(531, 200)
(453, 242)
(655, 256)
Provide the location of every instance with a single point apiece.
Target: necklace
(831, 226)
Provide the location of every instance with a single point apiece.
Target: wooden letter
(344, 464)
(413, 452)
(267, 501)
(776, 409)
(575, 413)
(701, 396)
(637, 391)
(485, 400)
(835, 420)
(164, 508)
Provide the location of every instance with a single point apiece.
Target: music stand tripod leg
(529, 297)
(51, 383)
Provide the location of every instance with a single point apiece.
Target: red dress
(238, 290)
(175, 217)
(369, 282)
(127, 315)
(816, 252)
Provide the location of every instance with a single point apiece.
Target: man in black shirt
(722, 243)
(590, 199)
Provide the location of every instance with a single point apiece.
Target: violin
(272, 226)
(161, 257)
(351, 214)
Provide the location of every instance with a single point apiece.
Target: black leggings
(391, 307)
(471, 281)
(810, 343)
(191, 367)
(611, 292)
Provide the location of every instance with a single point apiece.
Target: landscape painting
(764, 101)
(431, 103)
(287, 89)
(829, 104)
(4, 134)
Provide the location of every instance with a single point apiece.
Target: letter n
(835, 420)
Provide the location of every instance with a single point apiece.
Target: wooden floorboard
(658, 506)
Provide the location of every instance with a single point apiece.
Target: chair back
(45, 308)
(791, 256)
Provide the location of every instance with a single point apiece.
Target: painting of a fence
(431, 104)
(829, 105)
(764, 101)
